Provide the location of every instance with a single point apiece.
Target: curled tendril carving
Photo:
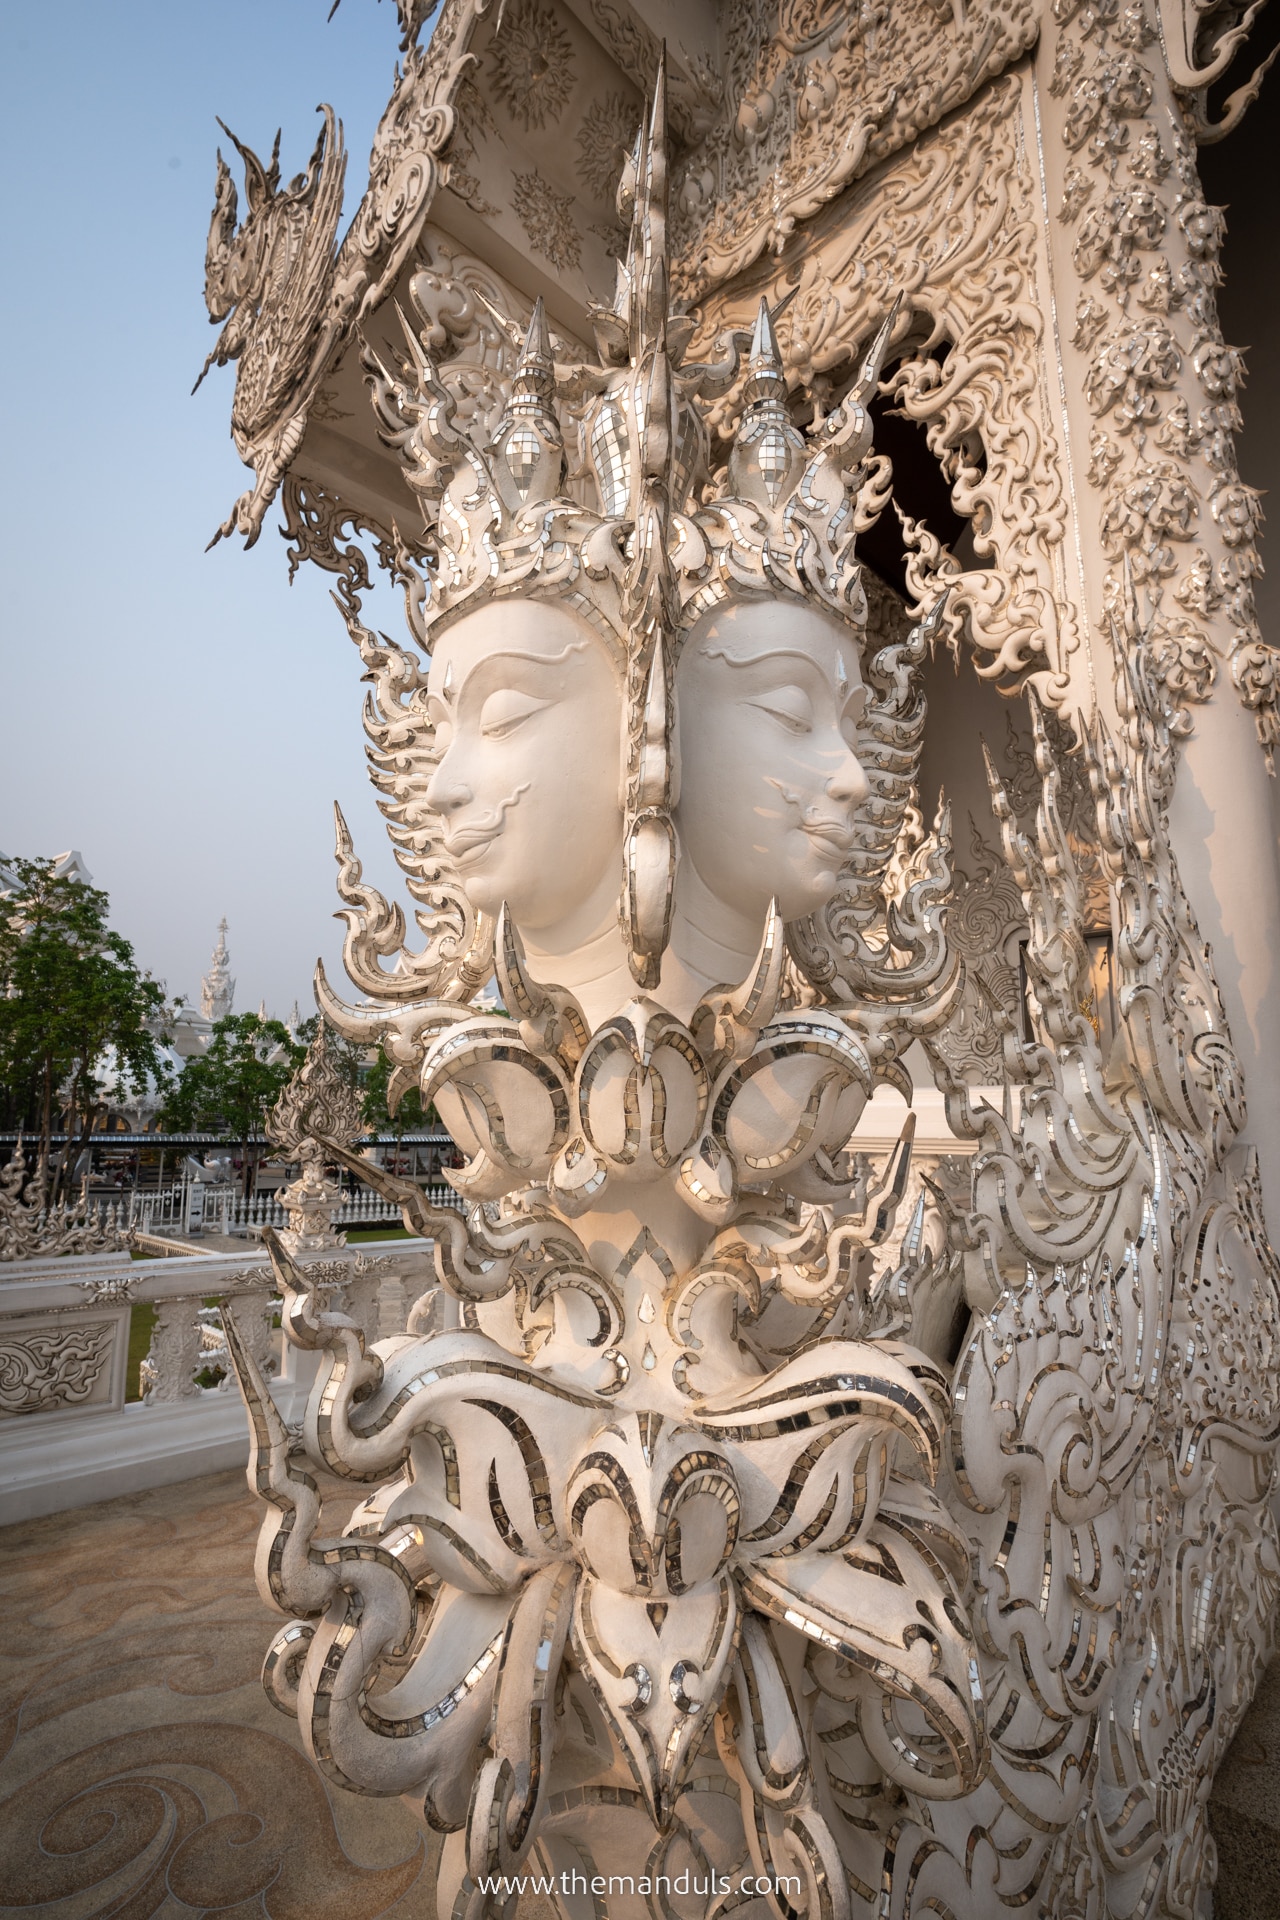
(711, 1515)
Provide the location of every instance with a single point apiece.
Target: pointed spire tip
(537, 339)
(764, 340)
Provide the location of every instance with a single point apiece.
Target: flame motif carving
(699, 1528)
(31, 1228)
(635, 1517)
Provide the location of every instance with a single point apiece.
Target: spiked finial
(846, 433)
(535, 372)
(764, 362)
(766, 387)
(768, 450)
(638, 316)
(528, 445)
(649, 229)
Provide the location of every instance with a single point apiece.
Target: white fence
(69, 1437)
(197, 1207)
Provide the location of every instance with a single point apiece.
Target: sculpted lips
(833, 836)
(473, 837)
(465, 840)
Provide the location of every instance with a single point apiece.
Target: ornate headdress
(659, 544)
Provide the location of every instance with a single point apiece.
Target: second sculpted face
(769, 697)
(526, 704)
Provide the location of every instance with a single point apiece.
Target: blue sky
(184, 718)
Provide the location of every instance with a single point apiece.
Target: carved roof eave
(768, 133)
(758, 161)
(301, 327)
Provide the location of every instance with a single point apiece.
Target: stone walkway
(144, 1773)
(1244, 1812)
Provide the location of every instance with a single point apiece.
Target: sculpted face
(526, 704)
(769, 697)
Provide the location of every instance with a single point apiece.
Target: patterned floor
(144, 1771)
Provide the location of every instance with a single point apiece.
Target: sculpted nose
(849, 784)
(446, 791)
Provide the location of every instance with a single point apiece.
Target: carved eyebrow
(852, 695)
(759, 659)
(450, 693)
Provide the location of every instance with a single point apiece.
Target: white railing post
(174, 1354)
(362, 1292)
(67, 1436)
(393, 1308)
(252, 1313)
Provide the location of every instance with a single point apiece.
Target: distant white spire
(218, 989)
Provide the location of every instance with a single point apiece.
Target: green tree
(229, 1088)
(408, 1117)
(70, 989)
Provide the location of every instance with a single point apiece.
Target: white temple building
(190, 1027)
(218, 989)
(69, 865)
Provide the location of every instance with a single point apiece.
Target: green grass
(142, 1318)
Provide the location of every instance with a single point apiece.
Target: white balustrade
(224, 1211)
(68, 1435)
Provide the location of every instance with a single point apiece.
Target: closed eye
(506, 710)
(791, 706)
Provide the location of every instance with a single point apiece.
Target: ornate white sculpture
(701, 1538)
(317, 1106)
(31, 1228)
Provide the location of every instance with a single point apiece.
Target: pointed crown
(663, 545)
